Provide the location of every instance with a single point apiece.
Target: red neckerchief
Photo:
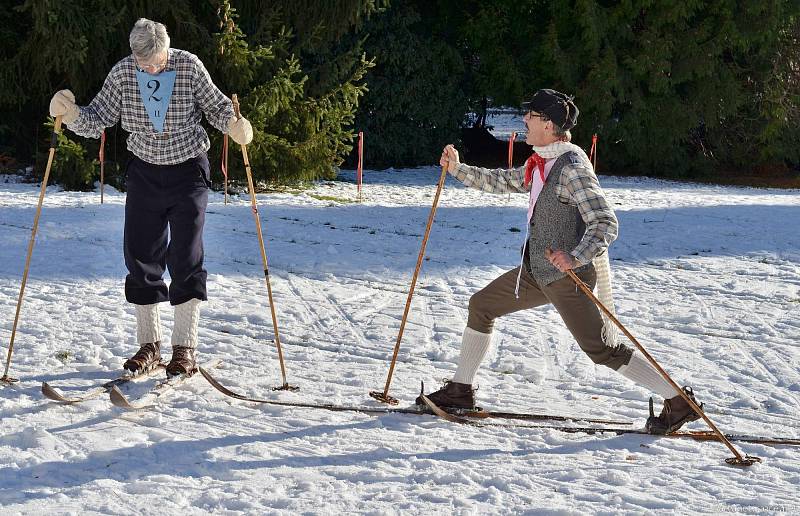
(534, 160)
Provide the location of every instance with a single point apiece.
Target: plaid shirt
(577, 186)
(183, 137)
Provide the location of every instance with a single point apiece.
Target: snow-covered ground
(707, 277)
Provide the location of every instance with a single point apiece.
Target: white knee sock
(474, 346)
(641, 372)
(187, 315)
(148, 323)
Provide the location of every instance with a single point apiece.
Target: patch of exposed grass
(332, 198)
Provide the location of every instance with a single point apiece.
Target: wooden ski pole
(738, 459)
(254, 204)
(53, 144)
(384, 396)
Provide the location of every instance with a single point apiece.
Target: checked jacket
(183, 138)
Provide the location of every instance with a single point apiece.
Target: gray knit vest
(554, 225)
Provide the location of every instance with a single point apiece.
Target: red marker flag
(511, 150)
(101, 156)
(360, 160)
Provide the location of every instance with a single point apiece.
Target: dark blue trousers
(165, 212)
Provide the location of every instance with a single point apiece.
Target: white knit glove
(450, 159)
(63, 103)
(240, 130)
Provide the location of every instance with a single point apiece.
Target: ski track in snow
(706, 277)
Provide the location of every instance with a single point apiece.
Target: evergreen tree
(440, 65)
(415, 103)
(768, 129)
(302, 108)
(672, 89)
(499, 44)
(302, 92)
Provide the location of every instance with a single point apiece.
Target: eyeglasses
(531, 114)
(152, 68)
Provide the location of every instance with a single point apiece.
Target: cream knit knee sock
(641, 372)
(187, 316)
(148, 323)
(474, 346)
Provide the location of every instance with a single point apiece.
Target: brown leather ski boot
(147, 358)
(182, 361)
(676, 413)
(452, 395)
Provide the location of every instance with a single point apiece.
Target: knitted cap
(558, 107)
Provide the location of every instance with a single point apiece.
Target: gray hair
(148, 38)
(560, 132)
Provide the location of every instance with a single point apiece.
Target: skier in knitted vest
(570, 226)
(160, 94)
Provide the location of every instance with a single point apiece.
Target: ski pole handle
(236, 112)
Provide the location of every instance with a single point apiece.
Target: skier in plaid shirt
(160, 94)
(570, 225)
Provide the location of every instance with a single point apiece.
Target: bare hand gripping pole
(285, 386)
(53, 144)
(384, 396)
(737, 459)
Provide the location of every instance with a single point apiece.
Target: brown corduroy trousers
(579, 313)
